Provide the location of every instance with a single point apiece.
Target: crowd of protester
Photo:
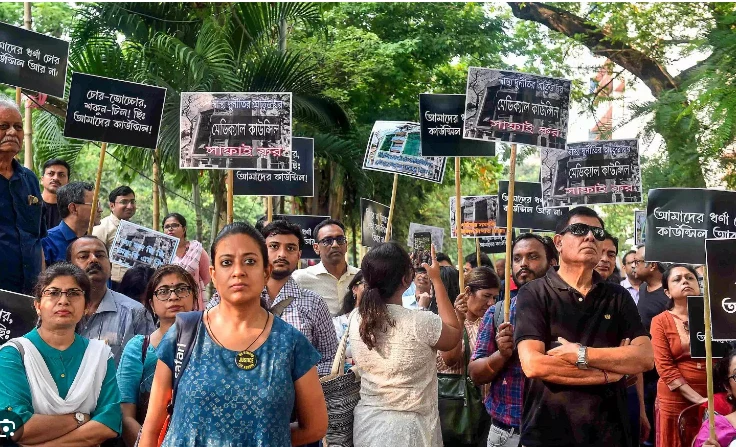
(588, 354)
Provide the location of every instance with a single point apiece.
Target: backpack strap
(19, 346)
(187, 325)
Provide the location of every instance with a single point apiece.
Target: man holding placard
(577, 337)
(21, 227)
(122, 207)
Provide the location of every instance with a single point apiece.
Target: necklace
(245, 359)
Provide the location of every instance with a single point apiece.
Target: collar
(113, 219)
(321, 269)
(290, 289)
(67, 232)
(108, 303)
(410, 302)
(626, 283)
(555, 280)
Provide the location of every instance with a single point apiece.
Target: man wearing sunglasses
(329, 278)
(577, 337)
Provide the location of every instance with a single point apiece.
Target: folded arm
(42, 428)
(538, 365)
(91, 434)
(635, 358)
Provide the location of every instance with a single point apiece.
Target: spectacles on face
(163, 293)
(328, 241)
(126, 202)
(581, 229)
(55, 294)
(172, 226)
(733, 377)
(636, 262)
(99, 208)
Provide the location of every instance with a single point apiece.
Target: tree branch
(651, 72)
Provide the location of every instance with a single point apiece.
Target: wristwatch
(582, 362)
(80, 418)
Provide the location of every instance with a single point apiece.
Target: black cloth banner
(720, 260)
(696, 324)
(33, 61)
(17, 315)
(528, 211)
(249, 131)
(373, 221)
(299, 182)
(591, 172)
(680, 219)
(114, 111)
(516, 107)
(307, 224)
(441, 121)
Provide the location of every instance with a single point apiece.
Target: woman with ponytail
(394, 350)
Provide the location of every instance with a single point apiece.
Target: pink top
(197, 263)
(725, 432)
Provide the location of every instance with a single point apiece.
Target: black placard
(516, 107)
(680, 219)
(441, 121)
(591, 172)
(528, 210)
(373, 222)
(114, 111)
(299, 182)
(32, 60)
(696, 324)
(17, 315)
(720, 261)
(492, 244)
(307, 224)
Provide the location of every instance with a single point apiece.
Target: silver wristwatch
(80, 418)
(582, 362)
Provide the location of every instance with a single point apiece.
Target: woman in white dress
(394, 350)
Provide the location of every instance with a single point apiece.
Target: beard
(279, 273)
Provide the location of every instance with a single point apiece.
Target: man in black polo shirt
(577, 337)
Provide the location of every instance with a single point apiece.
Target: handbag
(463, 416)
(342, 393)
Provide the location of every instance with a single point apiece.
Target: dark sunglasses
(581, 229)
(328, 241)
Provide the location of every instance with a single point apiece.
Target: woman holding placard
(189, 254)
(724, 380)
(682, 380)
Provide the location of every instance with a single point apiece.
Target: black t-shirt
(567, 415)
(50, 214)
(651, 304)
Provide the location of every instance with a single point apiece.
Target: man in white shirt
(122, 207)
(329, 278)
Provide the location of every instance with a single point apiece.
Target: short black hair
(549, 247)
(613, 239)
(630, 252)
(120, 191)
(57, 162)
(564, 220)
(284, 227)
(135, 282)
(324, 223)
(71, 193)
(472, 259)
(443, 257)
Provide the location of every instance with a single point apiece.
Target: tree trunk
(197, 199)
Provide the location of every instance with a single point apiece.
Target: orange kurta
(675, 367)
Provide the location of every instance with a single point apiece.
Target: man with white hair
(21, 228)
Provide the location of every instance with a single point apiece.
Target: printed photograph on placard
(249, 131)
(696, 326)
(17, 315)
(680, 219)
(373, 222)
(307, 224)
(438, 234)
(719, 255)
(32, 60)
(479, 214)
(441, 121)
(516, 107)
(394, 147)
(299, 182)
(640, 227)
(591, 173)
(137, 245)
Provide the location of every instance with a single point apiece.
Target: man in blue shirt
(21, 228)
(75, 207)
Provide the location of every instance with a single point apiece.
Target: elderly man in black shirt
(577, 337)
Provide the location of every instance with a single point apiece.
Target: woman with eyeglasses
(170, 290)
(60, 386)
(189, 254)
(724, 382)
(682, 380)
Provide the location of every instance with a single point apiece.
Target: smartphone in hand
(422, 248)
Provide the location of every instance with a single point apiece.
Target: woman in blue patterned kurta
(220, 404)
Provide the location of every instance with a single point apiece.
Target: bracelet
(605, 376)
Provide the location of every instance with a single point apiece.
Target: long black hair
(385, 268)
(348, 301)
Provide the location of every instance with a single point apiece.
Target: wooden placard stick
(269, 209)
(709, 355)
(96, 195)
(391, 208)
(156, 204)
(458, 226)
(230, 181)
(509, 235)
(477, 252)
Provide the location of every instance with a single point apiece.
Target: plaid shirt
(505, 400)
(309, 314)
